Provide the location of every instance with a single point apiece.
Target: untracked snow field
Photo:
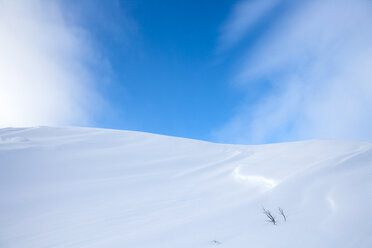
(89, 188)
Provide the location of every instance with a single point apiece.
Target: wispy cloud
(45, 77)
(316, 64)
(244, 16)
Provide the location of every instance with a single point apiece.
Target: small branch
(270, 217)
(281, 211)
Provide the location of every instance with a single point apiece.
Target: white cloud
(318, 60)
(245, 15)
(44, 79)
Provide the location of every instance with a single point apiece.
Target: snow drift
(81, 187)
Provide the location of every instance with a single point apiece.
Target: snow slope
(80, 187)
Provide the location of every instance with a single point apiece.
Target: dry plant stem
(270, 217)
(281, 211)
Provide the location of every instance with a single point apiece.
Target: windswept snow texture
(87, 188)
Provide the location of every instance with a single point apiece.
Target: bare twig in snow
(270, 217)
(281, 211)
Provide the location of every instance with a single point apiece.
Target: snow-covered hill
(87, 188)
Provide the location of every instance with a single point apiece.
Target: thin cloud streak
(44, 74)
(245, 15)
(317, 61)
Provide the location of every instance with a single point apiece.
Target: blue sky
(166, 75)
(247, 71)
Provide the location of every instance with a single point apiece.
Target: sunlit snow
(81, 187)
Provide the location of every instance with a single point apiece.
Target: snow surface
(81, 187)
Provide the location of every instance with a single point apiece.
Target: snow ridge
(85, 187)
